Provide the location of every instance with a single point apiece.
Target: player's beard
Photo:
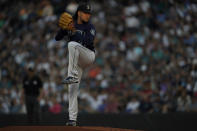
(84, 22)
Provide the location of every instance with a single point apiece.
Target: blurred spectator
(145, 105)
(193, 106)
(15, 106)
(56, 107)
(44, 104)
(183, 101)
(111, 104)
(133, 105)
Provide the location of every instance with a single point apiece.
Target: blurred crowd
(146, 56)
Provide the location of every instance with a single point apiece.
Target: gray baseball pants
(80, 57)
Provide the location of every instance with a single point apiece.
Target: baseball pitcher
(81, 34)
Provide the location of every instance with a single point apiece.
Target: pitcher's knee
(72, 44)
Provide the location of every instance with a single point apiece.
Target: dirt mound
(60, 128)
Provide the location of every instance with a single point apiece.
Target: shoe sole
(71, 125)
(70, 82)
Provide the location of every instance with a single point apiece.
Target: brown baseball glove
(66, 22)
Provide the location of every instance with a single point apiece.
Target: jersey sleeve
(60, 34)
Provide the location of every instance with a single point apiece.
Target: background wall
(147, 122)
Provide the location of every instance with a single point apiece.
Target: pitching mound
(60, 128)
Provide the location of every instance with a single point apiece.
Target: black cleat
(71, 123)
(70, 80)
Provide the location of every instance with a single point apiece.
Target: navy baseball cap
(85, 7)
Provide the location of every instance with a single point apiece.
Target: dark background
(147, 122)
